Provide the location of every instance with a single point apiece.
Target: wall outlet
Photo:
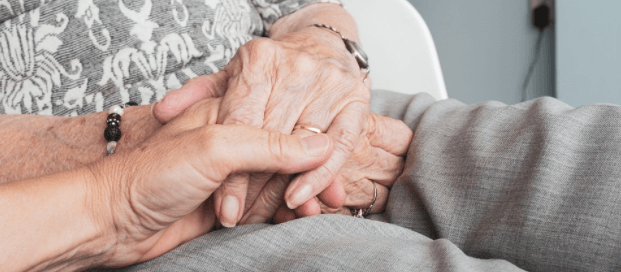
(533, 4)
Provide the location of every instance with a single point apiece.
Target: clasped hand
(164, 186)
(306, 77)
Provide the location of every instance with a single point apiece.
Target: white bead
(116, 109)
(111, 146)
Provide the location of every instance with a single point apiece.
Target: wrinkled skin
(378, 157)
(156, 196)
(305, 77)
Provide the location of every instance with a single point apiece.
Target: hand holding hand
(156, 195)
(378, 158)
(306, 77)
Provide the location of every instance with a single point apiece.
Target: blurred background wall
(588, 51)
(485, 49)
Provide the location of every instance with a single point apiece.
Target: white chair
(402, 55)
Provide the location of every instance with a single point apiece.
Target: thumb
(194, 90)
(241, 148)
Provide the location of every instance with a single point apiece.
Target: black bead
(114, 120)
(115, 116)
(131, 103)
(112, 133)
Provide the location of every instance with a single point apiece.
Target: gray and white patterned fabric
(73, 57)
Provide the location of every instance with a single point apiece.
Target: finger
(283, 214)
(249, 88)
(194, 90)
(197, 223)
(389, 134)
(310, 208)
(229, 199)
(243, 149)
(271, 195)
(360, 196)
(327, 210)
(267, 202)
(248, 91)
(238, 190)
(334, 195)
(202, 113)
(345, 130)
(238, 149)
(380, 166)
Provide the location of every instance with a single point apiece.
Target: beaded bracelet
(113, 131)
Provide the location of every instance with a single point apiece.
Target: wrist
(321, 44)
(48, 224)
(98, 249)
(137, 124)
(317, 13)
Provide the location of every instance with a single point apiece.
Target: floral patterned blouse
(73, 57)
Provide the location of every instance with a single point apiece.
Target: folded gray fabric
(534, 184)
(321, 243)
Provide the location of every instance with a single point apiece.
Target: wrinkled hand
(306, 77)
(155, 196)
(378, 158)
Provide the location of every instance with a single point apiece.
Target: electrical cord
(532, 66)
(541, 20)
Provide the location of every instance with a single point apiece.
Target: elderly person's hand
(376, 162)
(301, 75)
(378, 158)
(140, 203)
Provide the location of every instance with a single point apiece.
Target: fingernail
(316, 145)
(255, 220)
(299, 196)
(229, 209)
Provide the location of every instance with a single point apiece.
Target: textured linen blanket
(486, 187)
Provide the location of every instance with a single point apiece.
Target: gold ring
(308, 128)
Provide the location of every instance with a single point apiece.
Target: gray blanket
(486, 187)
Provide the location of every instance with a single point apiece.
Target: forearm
(51, 223)
(37, 145)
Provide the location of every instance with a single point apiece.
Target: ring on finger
(308, 128)
(360, 213)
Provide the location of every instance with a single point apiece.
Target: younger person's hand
(154, 197)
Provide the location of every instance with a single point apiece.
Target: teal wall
(485, 48)
(588, 52)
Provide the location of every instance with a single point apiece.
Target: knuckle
(243, 116)
(235, 183)
(346, 139)
(304, 64)
(322, 178)
(372, 124)
(269, 200)
(258, 46)
(387, 164)
(277, 145)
